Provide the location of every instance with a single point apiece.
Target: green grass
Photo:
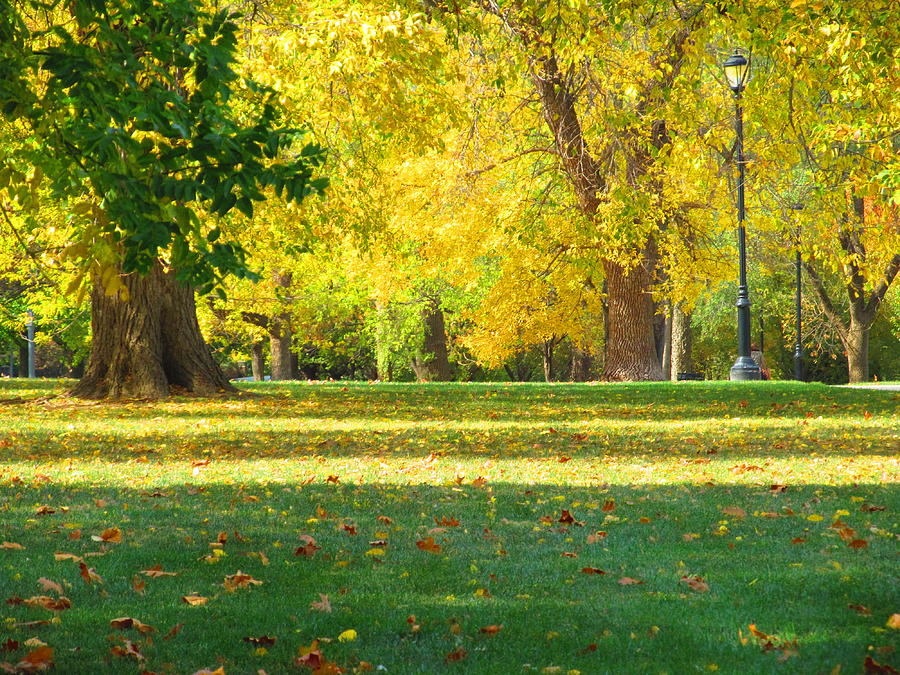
(716, 480)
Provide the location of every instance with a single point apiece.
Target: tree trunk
(144, 346)
(630, 343)
(682, 342)
(547, 353)
(856, 342)
(280, 336)
(22, 345)
(257, 361)
(582, 361)
(433, 365)
(668, 373)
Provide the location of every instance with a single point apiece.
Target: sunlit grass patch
(481, 528)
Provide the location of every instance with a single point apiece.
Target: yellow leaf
(894, 621)
(347, 636)
(815, 518)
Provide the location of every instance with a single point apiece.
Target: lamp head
(737, 71)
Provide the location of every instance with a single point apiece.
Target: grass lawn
(464, 528)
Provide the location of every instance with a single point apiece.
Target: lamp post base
(745, 368)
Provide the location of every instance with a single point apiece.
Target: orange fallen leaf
(60, 557)
(53, 604)
(206, 671)
(427, 544)
(111, 535)
(870, 665)
(596, 536)
(239, 580)
(446, 522)
(384, 519)
(798, 540)
(893, 621)
(174, 630)
(735, 511)
(609, 505)
(592, 570)
(262, 641)
(628, 581)
(12, 546)
(126, 622)
(50, 585)
(861, 609)
(38, 659)
(457, 654)
(491, 630)
(479, 482)
(858, 543)
(128, 649)
(88, 574)
(696, 583)
(138, 585)
(156, 572)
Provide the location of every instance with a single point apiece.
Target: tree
(126, 110)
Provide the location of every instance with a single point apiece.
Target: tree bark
(668, 373)
(144, 346)
(631, 344)
(433, 365)
(856, 342)
(257, 361)
(582, 361)
(682, 342)
(280, 335)
(547, 354)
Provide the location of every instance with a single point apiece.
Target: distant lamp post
(737, 72)
(30, 333)
(799, 375)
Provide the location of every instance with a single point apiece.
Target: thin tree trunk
(149, 343)
(547, 353)
(668, 373)
(682, 342)
(630, 344)
(433, 365)
(257, 361)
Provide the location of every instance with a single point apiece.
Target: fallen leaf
(628, 581)
(126, 622)
(61, 557)
(176, 629)
(50, 585)
(592, 570)
(347, 636)
(491, 630)
(457, 654)
(39, 659)
(194, 600)
(88, 574)
(321, 605)
(870, 665)
(428, 545)
(861, 609)
(609, 505)
(446, 522)
(893, 621)
(262, 641)
(126, 650)
(156, 572)
(239, 580)
(696, 583)
(53, 604)
(596, 536)
(12, 546)
(735, 511)
(138, 585)
(111, 535)
(858, 543)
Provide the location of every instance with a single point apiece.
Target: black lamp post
(737, 71)
(798, 345)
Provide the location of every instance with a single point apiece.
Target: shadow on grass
(770, 558)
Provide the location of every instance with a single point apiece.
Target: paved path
(882, 387)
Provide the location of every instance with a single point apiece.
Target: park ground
(460, 528)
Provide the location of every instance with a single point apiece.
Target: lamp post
(30, 332)
(798, 345)
(737, 71)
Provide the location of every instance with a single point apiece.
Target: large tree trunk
(682, 342)
(144, 346)
(630, 344)
(433, 365)
(856, 342)
(280, 335)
